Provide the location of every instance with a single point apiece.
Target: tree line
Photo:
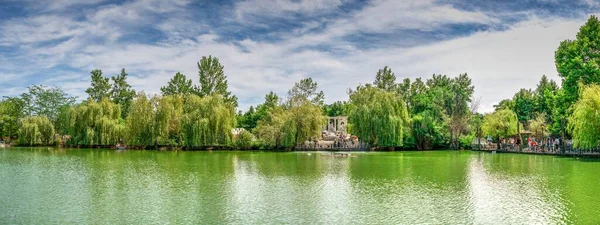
(567, 111)
(435, 113)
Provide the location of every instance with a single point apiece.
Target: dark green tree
(577, 61)
(213, 80)
(305, 90)
(100, 87)
(339, 108)
(179, 84)
(121, 92)
(385, 79)
(46, 101)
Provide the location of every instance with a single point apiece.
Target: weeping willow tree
(168, 124)
(585, 121)
(36, 130)
(96, 123)
(379, 118)
(269, 130)
(207, 121)
(303, 121)
(538, 126)
(140, 122)
(501, 123)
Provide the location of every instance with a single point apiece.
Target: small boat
(121, 147)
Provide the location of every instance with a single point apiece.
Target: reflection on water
(41, 186)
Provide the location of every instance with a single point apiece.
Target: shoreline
(563, 154)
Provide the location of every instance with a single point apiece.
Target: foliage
(385, 79)
(524, 104)
(305, 90)
(585, 121)
(121, 92)
(207, 121)
(269, 130)
(577, 61)
(378, 117)
(169, 115)
(11, 111)
(425, 130)
(339, 108)
(213, 80)
(96, 123)
(538, 125)
(501, 123)
(446, 100)
(45, 101)
(302, 123)
(140, 122)
(295, 122)
(243, 140)
(36, 130)
(250, 118)
(100, 86)
(178, 85)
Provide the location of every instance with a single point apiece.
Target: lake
(42, 186)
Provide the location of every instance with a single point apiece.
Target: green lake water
(41, 186)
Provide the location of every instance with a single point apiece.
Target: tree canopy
(585, 121)
(378, 117)
(178, 85)
(213, 80)
(121, 92)
(100, 87)
(501, 123)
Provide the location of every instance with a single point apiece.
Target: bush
(244, 140)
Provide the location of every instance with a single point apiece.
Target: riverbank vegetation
(439, 112)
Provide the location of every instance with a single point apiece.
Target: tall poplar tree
(179, 84)
(213, 80)
(100, 87)
(122, 93)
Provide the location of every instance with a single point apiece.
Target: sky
(268, 45)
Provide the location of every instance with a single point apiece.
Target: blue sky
(267, 45)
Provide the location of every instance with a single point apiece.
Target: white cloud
(499, 62)
(279, 8)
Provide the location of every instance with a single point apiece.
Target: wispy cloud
(340, 43)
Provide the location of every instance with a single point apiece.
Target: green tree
(140, 122)
(306, 89)
(213, 80)
(46, 101)
(585, 121)
(121, 92)
(169, 115)
(208, 121)
(339, 108)
(100, 87)
(524, 105)
(501, 123)
(96, 123)
(270, 129)
(505, 104)
(577, 61)
(378, 117)
(425, 130)
(250, 118)
(385, 79)
(36, 130)
(243, 140)
(303, 122)
(179, 84)
(12, 109)
(538, 126)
